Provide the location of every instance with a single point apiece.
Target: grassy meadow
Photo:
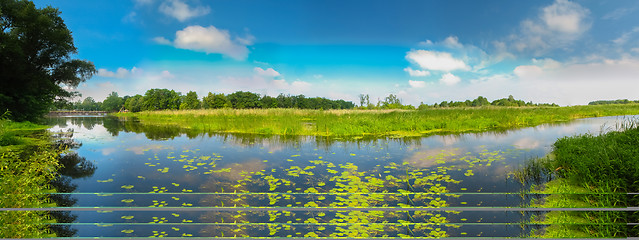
(361, 123)
(589, 171)
(27, 165)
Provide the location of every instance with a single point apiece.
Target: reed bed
(355, 123)
(589, 171)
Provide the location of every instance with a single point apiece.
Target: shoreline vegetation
(371, 123)
(587, 171)
(29, 162)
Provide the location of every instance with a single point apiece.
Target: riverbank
(28, 163)
(588, 171)
(361, 123)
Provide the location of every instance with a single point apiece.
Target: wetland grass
(589, 171)
(361, 123)
(27, 165)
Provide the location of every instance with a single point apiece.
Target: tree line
(393, 102)
(163, 99)
(618, 101)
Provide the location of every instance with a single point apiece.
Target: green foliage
(36, 49)
(241, 100)
(607, 102)
(27, 165)
(589, 171)
(112, 103)
(134, 104)
(482, 101)
(215, 101)
(88, 104)
(160, 99)
(190, 101)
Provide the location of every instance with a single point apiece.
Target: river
(125, 179)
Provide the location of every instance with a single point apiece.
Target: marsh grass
(588, 171)
(360, 123)
(27, 165)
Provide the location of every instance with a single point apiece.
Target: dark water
(213, 185)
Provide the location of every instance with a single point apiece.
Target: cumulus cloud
(182, 11)
(449, 79)
(209, 40)
(162, 40)
(557, 26)
(565, 17)
(269, 72)
(436, 61)
(416, 73)
(416, 84)
(119, 73)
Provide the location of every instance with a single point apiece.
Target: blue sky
(561, 51)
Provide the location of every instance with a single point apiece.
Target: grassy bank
(356, 123)
(589, 171)
(27, 164)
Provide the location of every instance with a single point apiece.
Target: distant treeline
(619, 101)
(162, 99)
(392, 102)
(482, 101)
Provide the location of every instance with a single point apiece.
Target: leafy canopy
(35, 60)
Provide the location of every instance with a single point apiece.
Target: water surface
(121, 165)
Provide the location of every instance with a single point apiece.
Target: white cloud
(449, 79)
(416, 84)
(162, 40)
(625, 36)
(181, 11)
(416, 73)
(318, 76)
(618, 13)
(437, 61)
(120, 73)
(528, 71)
(269, 72)
(425, 43)
(166, 74)
(452, 42)
(565, 17)
(557, 26)
(208, 40)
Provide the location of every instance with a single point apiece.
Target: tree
(190, 101)
(134, 104)
(160, 99)
(392, 102)
(242, 99)
(215, 101)
(89, 104)
(35, 59)
(112, 103)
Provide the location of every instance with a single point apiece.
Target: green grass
(360, 123)
(27, 164)
(589, 171)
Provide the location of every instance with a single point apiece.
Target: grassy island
(360, 123)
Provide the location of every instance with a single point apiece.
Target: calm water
(120, 165)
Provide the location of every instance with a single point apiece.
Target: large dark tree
(35, 59)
